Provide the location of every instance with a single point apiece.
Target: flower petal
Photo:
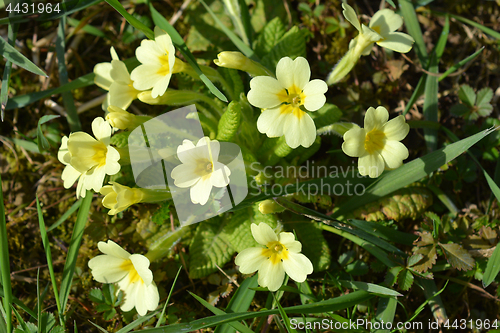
(293, 74)
(113, 249)
(371, 165)
(200, 192)
(220, 175)
(184, 175)
(263, 233)
(121, 95)
(397, 41)
(250, 259)
(297, 266)
(271, 121)
(271, 275)
(299, 129)
(141, 265)
(69, 176)
(286, 237)
(354, 142)
(351, 16)
(394, 153)
(161, 86)
(375, 118)
(315, 94)
(101, 129)
(102, 73)
(396, 129)
(385, 21)
(266, 92)
(112, 157)
(107, 268)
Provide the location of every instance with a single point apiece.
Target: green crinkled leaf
(405, 203)
(428, 260)
(269, 37)
(96, 296)
(59, 329)
(162, 214)
(120, 139)
(405, 279)
(229, 122)
(209, 247)
(237, 231)
(273, 149)
(208, 125)
(467, 95)
(457, 256)
(314, 245)
(31, 328)
(292, 44)
(328, 114)
(392, 275)
(484, 97)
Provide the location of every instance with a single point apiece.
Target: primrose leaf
(292, 44)
(229, 122)
(405, 279)
(484, 97)
(467, 95)
(270, 36)
(457, 256)
(314, 245)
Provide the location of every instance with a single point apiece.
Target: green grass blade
(23, 100)
(460, 64)
(244, 48)
(5, 264)
(386, 309)
(240, 302)
(332, 304)
(65, 216)
(492, 184)
(435, 302)
(76, 238)
(383, 232)
(43, 143)
(237, 325)
(431, 89)
(4, 93)
(130, 19)
(286, 320)
(492, 267)
(19, 303)
(48, 255)
(369, 287)
(69, 103)
(16, 57)
(417, 92)
(87, 28)
(177, 40)
(410, 172)
(486, 30)
(135, 323)
(376, 251)
(413, 27)
(20, 320)
(168, 297)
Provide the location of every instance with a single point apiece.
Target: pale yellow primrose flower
(381, 30)
(236, 60)
(114, 77)
(131, 272)
(282, 99)
(118, 118)
(94, 157)
(200, 170)
(280, 255)
(70, 174)
(118, 197)
(377, 144)
(158, 59)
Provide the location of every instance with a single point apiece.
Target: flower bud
(270, 207)
(120, 119)
(237, 60)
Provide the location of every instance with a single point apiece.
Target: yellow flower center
(133, 275)
(204, 168)
(275, 252)
(374, 141)
(165, 67)
(100, 154)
